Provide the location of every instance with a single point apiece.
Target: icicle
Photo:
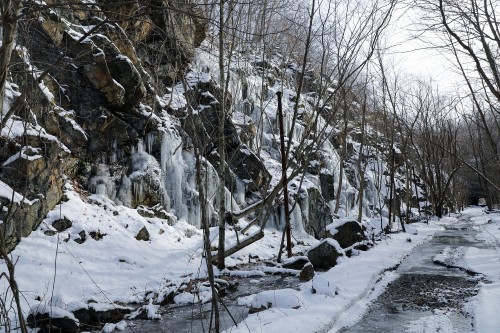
(101, 183)
(140, 146)
(150, 138)
(113, 158)
(173, 167)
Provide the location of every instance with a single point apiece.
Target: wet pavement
(426, 291)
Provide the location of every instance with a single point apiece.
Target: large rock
(346, 232)
(62, 224)
(59, 321)
(143, 234)
(325, 254)
(295, 263)
(92, 317)
(307, 273)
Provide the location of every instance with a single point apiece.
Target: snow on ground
(53, 270)
(440, 321)
(343, 293)
(485, 261)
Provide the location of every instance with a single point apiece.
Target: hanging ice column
(173, 166)
(178, 168)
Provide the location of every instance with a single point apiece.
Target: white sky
(413, 56)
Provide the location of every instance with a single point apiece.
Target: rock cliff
(113, 96)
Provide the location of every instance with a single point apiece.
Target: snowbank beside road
(487, 262)
(484, 261)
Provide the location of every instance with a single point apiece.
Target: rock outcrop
(116, 98)
(91, 103)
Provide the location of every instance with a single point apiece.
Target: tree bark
(221, 144)
(285, 179)
(9, 12)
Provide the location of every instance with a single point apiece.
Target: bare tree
(9, 11)
(352, 47)
(469, 31)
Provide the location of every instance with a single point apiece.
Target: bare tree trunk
(339, 188)
(285, 179)
(416, 190)
(408, 193)
(221, 144)
(9, 10)
(391, 190)
(343, 153)
(361, 160)
(206, 241)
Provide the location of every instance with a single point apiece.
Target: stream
(426, 297)
(196, 317)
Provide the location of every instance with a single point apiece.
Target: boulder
(97, 235)
(295, 263)
(347, 232)
(307, 273)
(143, 234)
(62, 224)
(325, 254)
(82, 238)
(90, 317)
(61, 324)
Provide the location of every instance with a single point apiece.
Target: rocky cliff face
(84, 119)
(116, 94)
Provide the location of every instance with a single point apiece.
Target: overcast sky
(414, 56)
